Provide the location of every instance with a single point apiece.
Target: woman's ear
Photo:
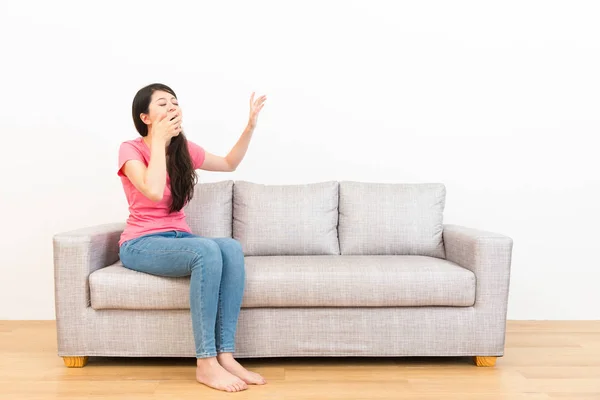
(145, 118)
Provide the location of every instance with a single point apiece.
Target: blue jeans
(216, 266)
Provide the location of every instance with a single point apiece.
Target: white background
(499, 101)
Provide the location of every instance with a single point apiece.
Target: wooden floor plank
(543, 360)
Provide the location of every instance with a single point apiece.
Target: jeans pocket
(125, 245)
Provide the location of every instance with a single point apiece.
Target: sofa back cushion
(391, 219)
(209, 213)
(286, 219)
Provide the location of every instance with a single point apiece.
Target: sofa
(333, 268)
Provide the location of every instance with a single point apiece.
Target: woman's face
(161, 104)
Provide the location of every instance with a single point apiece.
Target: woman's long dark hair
(179, 163)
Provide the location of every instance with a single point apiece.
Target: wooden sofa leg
(75, 362)
(485, 361)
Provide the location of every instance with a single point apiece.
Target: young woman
(157, 171)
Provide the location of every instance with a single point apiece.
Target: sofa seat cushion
(302, 281)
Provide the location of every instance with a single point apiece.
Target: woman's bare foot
(211, 373)
(231, 365)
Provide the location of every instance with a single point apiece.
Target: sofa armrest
(489, 256)
(77, 254)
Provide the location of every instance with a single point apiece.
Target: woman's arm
(231, 161)
(149, 180)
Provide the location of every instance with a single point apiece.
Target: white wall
(500, 102)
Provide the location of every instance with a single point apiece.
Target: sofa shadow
(342, 361)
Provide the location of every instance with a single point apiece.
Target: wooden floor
(543, 360)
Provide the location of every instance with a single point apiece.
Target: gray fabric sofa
(332, 269)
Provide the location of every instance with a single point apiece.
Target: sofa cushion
(209, 213)
(391, 219)
(286, 219)
(302, 281)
